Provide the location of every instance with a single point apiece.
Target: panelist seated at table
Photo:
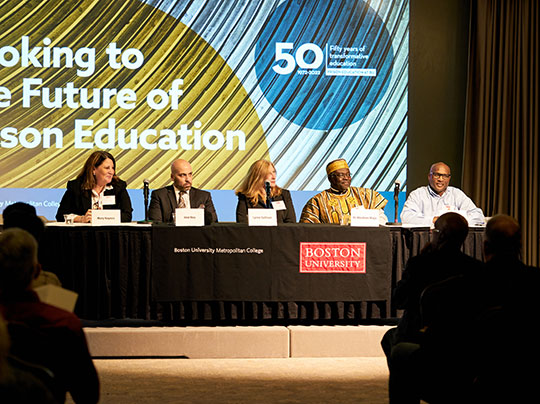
(425, 204)
(96, 187)
(181, 194)
(334, 205)
(252, 194)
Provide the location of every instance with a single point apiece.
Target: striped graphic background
(211, 46)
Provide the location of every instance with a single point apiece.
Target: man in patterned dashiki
(334, 205)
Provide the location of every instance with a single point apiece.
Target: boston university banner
(232, 262)
(333, 257)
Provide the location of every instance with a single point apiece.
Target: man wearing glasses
(334, 205)
(425, 204)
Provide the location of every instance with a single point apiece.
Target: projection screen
(218, 83)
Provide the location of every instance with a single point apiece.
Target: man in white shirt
(425, 204)
(180, 195)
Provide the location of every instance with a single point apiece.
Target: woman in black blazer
(96, 187)
(252, 194)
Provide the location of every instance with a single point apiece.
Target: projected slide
(219, 83)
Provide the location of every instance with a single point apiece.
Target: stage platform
(236, 342)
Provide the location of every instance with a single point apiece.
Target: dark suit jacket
(283, 216)
(78, 201)
(163, 203)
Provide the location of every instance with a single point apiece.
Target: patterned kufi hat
(336, 165)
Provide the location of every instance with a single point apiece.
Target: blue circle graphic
(324, 64)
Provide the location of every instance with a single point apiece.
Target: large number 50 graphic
(299, 57)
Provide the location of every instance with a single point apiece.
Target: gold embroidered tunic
(332, 207)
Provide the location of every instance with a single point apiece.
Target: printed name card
(188, 217)
(105, 217)
(361, 217)
(262, 217)
(279, 205)
(109, 200)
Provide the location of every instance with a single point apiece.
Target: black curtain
(500, 163)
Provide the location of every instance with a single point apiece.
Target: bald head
(181, 174)
(451, 231)
(180, 165)
(503, 237)
(435, 166)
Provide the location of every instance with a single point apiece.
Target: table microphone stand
(396, 206)
(145, 193)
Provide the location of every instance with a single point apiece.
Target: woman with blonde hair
(96, 187)
(252, 194)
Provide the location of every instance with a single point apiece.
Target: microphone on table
(396, 199)
(146, 191)
(396, 203)
(268, 192)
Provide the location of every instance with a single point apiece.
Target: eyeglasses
(440, 175)
(342, 175)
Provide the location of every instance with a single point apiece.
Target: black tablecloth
(113, 270)
(242, 263)
(109, 267)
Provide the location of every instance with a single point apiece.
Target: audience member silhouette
(18, 382)
(42, 333)
(23, 216)
(439, 260)
(476, 345)
(19, 207)
(507, 350)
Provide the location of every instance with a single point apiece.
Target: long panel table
(230, 273)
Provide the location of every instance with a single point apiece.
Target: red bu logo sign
(333, 257)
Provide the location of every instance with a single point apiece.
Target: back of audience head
(23, 215)
(450, 232)
(18, 261)
(503, 238)
(21, 207)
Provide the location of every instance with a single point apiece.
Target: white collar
(106, 188)
(433, 193)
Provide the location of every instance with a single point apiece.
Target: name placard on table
(188, 217)
(262, 217)
(361, 217)
(105, 217)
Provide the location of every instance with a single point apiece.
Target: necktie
(181, 202)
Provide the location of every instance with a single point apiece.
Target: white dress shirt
(423, 204)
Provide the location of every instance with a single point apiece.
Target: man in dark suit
(180, 195)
